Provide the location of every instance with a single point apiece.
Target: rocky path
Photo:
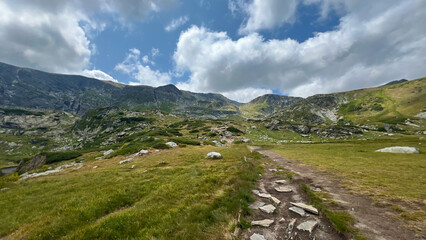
(281, 211)
(290, 221)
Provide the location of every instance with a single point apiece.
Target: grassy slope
(173, 194)
(398, 101)
(388, 178)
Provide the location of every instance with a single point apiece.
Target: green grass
(173, 194)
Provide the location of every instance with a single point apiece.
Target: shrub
(52, 157)
(234, 130)
(185, 141)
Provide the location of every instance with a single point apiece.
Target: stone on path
(306, 207)
(268, 208)
(256, 236)
(280, 181)
(264, 195)
(262, 223)
(256, 205)
(275, 200)
(290, 226)
(272, 169)
(299, 211)
(399, 150)
(171, 144)
(282, 220)
(283, 189)
(214, 155)
(307, 226)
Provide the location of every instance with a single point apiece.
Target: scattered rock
(264, 195)
(217, 143)
(299, 211)
(4, 189)
(280, 181)
(133, 166)
(94, 167)
(283, 189)
(256, 205)
(56, 170)
(214, 155)
(126, 161)
(399, 150)
(106, 153)
(307, 226)
(256, 236)
(142, 152)
(263, 223)
(306, 207)
(272, 169)
(268, 208)
(171, 144)
(282, 220)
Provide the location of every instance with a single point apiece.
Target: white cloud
(98, 74)
(374, 43)
(266, 14)
(176, 23)
(56, 35)
(143, 74)
(247, 94)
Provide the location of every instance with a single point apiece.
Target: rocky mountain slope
(390, 106)
(28, 88)
(266, 105)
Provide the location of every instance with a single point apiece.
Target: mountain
(389, 104)
(266, 105)
(28, 88)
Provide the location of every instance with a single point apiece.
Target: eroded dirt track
(374, 222)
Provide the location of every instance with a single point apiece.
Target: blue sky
(240, 48)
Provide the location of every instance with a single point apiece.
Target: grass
(189, 197)
(388, 178)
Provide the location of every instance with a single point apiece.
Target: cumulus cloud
(176, 23)
(144, 75)
(55, 35)
(373, 44)
(266, 14)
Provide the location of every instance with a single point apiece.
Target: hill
(266, 105)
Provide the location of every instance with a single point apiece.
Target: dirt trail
(374, 222)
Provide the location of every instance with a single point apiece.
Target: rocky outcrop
(31, 164)
(399, 150)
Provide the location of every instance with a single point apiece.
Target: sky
(239, 48)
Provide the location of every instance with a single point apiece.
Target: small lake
(8, 170)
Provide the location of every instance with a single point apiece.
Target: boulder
(171, 144)
(214, 155)
(399, 150)
(106, 153)
(142, 152)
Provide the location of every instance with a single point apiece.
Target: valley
(102, 160)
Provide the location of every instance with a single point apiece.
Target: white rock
(264, 195)
(256, 205)
(282, 220)
(272, 169)
(299, 211)
(142, 152)
(171, 144)
(256, 236)
(133, 166)
(283, 189)
(106, 153)
(399, 150)
(214, 155)
(306, 207)
(268, 208)
(307, 226)
(263, 223)
(95, 167)
(280, 181)
(290, 226)
(126, 161)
